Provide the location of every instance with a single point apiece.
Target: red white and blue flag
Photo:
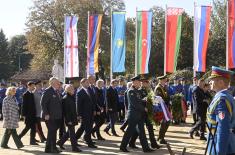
(231, 35)
(201, 32)
(71, 63)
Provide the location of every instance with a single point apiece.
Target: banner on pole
(71, 63)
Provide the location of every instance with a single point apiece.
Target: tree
(5, 64)
(18, 53)
(46, 29)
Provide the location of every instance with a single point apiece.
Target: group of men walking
(94, 103)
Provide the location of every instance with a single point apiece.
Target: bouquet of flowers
(176, 107)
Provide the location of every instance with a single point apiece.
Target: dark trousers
(6, 137)
(133, 126)
(1, 117)
(99, 121)
(163, 129)
(52, 126)
(200, 124)
(195, 118)
(39, 129)
(152, 139)
(121, 111)
(112, 121)
(86, 125)
(32, 128)
(124, 125)
(69, 134)
(62, 129)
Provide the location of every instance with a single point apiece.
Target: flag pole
(194, 44)
(88, 23)
(136, 43)
(165, 41)
(227, 26)
(111, 47)
(65, 68)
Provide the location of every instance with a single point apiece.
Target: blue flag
(118, 41)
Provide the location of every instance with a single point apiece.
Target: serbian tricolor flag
(172, 38)
(94, 26)
(231, 35)
(201, 34)
(143, 41)
(71, 65)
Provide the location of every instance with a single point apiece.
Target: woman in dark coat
(70, 116)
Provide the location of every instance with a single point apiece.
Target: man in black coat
(198, 99)
(86, 111)
(135, 116)
(29, 113)
(52, 113)
(112, 106)
(70, 116)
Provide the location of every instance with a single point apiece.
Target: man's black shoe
(191, 134)
(33, 143)
(5, 147)
(148, 150)
(92, 146)
(60, 145)
(155, 146)
(197, 134)
(100, 138)
(123, 149)
(203, 138)
(162, 141)
(76, 150)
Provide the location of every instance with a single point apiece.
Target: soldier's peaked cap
(220, 72)
(138, 77)
(162, 77)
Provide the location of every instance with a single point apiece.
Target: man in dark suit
(52, 113)
(198, 100)
(29, 112)
(112, 106)
(135, 116)
(86, 110)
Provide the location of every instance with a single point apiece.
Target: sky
(14, 13)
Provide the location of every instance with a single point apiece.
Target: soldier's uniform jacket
(222, 111)
(136, 107)
(161, 91)
(10, 112)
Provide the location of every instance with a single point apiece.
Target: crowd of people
(96, 102)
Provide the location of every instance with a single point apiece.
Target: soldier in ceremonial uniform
(160, 90)
(222, 112)
(135, 116)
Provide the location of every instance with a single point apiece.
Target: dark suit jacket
(69, 110)
(85, 106)
(94, 97)
(29, 108)
(136, 107)
(51, 104)
(112, 100)
(100, 97)
(198, 97)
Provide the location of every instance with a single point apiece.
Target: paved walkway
(177, 136)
